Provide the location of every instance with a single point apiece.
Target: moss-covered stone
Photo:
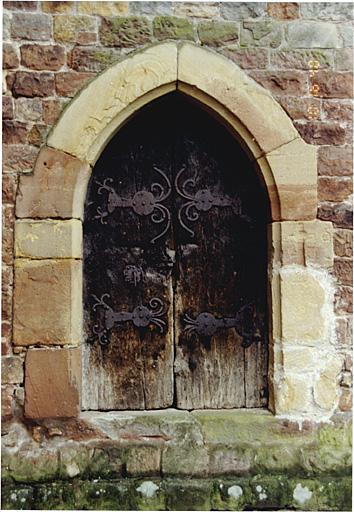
(19, 497)
(188, 495)
(185, 460)
(171, 27)
(218, 33)
(261, 33)
(125, 32)
(148, 495)
(270, 492)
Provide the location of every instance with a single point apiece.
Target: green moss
(19, 497)
(126, 31)
(188, 495)
(218, 33)
(171, 27)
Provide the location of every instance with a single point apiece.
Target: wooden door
(174, 267)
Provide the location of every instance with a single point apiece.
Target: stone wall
(52, 49)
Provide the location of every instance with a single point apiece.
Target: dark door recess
(175, 258)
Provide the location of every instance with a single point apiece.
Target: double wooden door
(174, 267)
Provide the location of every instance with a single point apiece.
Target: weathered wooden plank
(135, 370)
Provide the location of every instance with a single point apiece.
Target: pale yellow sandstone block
(47, 302)
(48, 239)
(303, 298)
(326, 387)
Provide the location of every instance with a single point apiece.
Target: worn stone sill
(175, 444)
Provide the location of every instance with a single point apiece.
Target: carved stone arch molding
(49, 211)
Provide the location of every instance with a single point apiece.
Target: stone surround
(253, 75)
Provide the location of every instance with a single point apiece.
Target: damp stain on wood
(175, 214)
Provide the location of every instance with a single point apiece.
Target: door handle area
(206, 324)
(142, 316)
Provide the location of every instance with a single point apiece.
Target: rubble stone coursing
(52, 49)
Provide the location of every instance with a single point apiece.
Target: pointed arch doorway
(175, 259)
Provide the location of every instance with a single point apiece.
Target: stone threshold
(257, 493)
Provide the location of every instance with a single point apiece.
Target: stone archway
(49, 209)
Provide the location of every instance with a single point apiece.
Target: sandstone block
(55, 392)
(92, 59)
(303, 298)
(47, 302)
(19, 158)
(7, 392)
(37, 134)
(312, 34)
(341, 214)
(11, 370)
(7, 233)
(304, 243)
(282, 82)
(343, 271)
(196, 9)
(33, 84)
(346, 35)
(35, 27)
(144, 461)
(299, 59)
(261, 33)
(247, 58)
(218, 33)
(7, 107)
(327, 11)
(294, 166)
(41, 57)
(326, 386)
(299, 359)
(57, 7)
(28, 109)
(343, 300)
(69, 83)
(14, 132)
(298, 108)
(48, 239)
(171, 27)
(344, 59)
(335, 85)
(52, 109)
(343, 243)
(283, 10)
(91, 114)
(103, 8)
(338, 111)
(125, 32)
(21, 6)
(334, 189)
(187, 460)
(242, 10)
(324, 133)
(9, 188)
(10, 58)
(6, 26)
(292, 395)
(346, 400)
(344, 332)
(57, 187)
(75, 29)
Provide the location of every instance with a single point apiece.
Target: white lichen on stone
(261, 493)
(148, 489)
(235, 491)
(301, 494)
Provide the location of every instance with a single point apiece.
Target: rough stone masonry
(50, 51)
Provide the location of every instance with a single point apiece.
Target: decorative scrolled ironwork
(244, 321)
(201, 201)
(141, 316)
(144, 202)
